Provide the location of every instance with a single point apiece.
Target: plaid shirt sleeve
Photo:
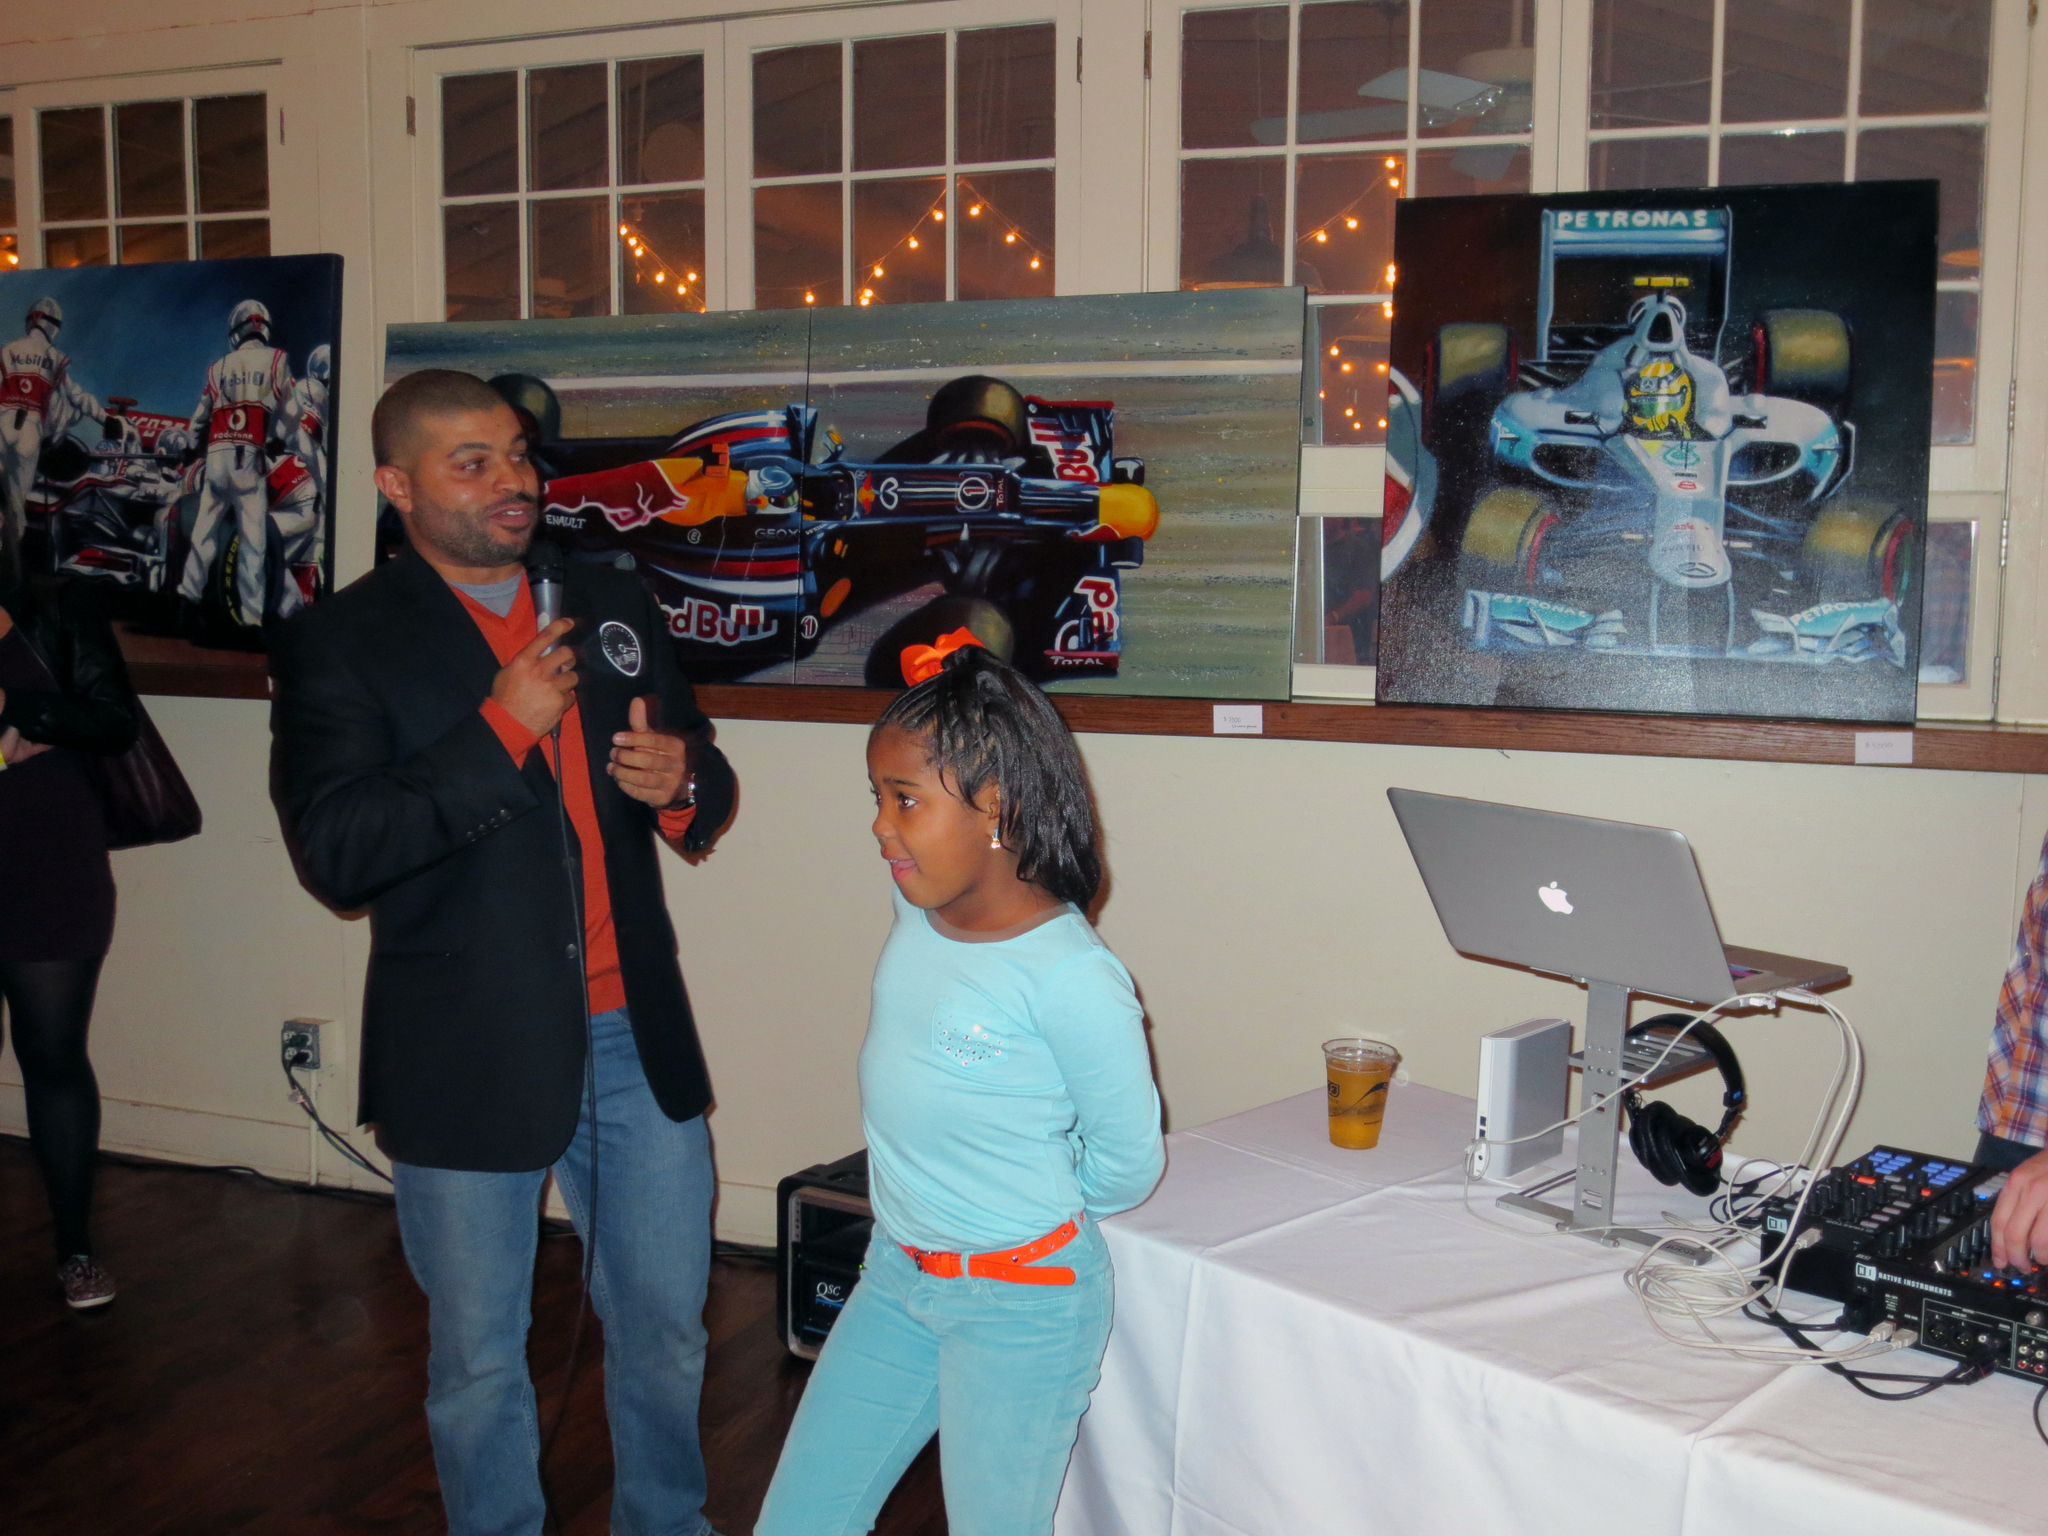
(2015, 1102)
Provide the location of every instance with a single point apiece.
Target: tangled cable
(1675, 1291)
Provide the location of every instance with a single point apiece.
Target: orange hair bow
(923, 661)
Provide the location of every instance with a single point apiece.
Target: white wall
(215, 945)
(1263, 899)
(1260, 894)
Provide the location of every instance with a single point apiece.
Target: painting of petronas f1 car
(165, 432)
(1663, 452)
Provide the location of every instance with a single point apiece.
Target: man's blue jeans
(1002, 1372)
(470, 1239)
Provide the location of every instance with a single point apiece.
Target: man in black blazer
(522, 964)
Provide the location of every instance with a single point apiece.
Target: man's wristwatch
(689, 795)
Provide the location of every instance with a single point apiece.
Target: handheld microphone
(545, 567)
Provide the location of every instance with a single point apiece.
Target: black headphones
(1673, 1148)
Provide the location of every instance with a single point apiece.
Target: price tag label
(1885, 747)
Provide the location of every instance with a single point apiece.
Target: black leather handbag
(143, 795)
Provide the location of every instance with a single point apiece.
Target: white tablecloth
(1314, 1340)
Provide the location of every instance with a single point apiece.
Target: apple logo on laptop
(1557, 900)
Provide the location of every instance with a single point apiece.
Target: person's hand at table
(651, 766)
(537, 690)
(2019, 1222)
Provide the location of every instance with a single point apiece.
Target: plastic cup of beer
(1359, 1071)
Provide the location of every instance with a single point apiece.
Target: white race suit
(244, 391)
(294, 498)
(38, 400)
(302, 429)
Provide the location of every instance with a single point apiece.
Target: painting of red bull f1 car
(759, 530)
(1102, 487)
(1661, 451)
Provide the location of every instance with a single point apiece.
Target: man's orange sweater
(508, 636)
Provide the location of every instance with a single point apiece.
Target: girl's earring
(995, 839)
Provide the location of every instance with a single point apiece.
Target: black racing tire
(1470, 357)
(1854, 552)
(1503, 542)
(62, 460)
(220, 604)
(941, 616)
(977, 406)
(534, 399)
(1804, 354)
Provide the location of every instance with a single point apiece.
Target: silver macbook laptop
(1602, 901)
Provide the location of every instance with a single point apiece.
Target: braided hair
(983, 723)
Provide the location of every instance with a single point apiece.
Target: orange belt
(1008, 1265)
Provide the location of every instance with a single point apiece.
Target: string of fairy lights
(979, 207)
(1346, 221)
(669, 276)
(686, 284)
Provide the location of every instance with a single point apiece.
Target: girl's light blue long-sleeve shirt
(1005, 1086)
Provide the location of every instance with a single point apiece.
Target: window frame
(293, 225)
(12, 228)
(746, 38)
(1976, 697)
(430, 66)
(1966, 481)
(1979, 465)
(1336, 480)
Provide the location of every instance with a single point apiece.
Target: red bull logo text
(696, 619)
(1073, 458)
(1093, 636)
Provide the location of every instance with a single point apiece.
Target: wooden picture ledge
(1965, 748)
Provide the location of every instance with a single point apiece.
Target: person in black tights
(64, 695)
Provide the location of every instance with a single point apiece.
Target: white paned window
(574, 188)
(1300, 127)
(170, 179)
(905, 168)
(1690, 93)
(10, 240)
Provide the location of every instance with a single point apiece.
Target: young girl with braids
(1007, 1097)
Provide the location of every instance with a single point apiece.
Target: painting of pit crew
(1101, 489)
(164, 432)
(1661, 452)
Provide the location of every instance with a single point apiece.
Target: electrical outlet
(299, 1043)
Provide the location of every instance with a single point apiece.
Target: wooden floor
(264, 1366)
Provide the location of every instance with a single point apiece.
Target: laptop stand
(1591, 1212)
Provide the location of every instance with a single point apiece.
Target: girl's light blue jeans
(1000, 1371)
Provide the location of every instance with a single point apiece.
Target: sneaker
(85, 1283)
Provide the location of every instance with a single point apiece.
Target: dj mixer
(1906, 1238)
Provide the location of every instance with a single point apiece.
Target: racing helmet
(1660, 398)
(251, 318)
(45, 315)
(173, 444)
(320, 362)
